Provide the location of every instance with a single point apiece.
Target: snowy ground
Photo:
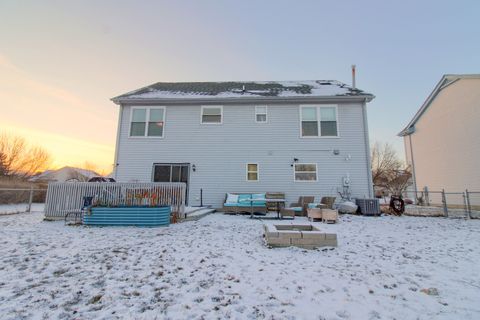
(18, 208)
(219, 267)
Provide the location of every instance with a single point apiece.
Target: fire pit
(301, 235)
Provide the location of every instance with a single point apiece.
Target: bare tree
(18, 159)
(388, 171)
(384, 159)
(3, 164)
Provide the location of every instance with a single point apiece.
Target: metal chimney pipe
(353, 76)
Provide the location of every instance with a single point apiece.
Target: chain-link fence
(461, 204)
(20, 199)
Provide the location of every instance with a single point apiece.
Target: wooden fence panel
(63, 197)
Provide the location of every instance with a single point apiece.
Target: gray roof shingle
(237, 89)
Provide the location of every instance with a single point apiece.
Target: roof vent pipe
(353, 76)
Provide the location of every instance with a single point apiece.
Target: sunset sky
(61, 61)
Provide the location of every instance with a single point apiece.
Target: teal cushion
(312, 205)
(245, 204)
(230, 204)
(259, 203)
(258, 196)
(244, 196)
(297, 209)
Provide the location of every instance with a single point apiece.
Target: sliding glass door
(172, 172)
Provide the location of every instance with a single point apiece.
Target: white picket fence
(64, 197)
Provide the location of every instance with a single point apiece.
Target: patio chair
(78, 214)
(300, 207)
(328, 202)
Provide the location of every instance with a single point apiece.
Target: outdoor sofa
(239, 203)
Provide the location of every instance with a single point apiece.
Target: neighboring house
(442, 141)
(65, 174)
(299, 137)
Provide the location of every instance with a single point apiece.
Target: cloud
(30, 85)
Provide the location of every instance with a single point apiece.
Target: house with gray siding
(296, 137)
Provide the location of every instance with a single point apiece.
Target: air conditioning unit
(369, 207)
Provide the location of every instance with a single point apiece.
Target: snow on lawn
(219, 267)
(21, 207)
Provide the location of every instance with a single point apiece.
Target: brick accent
(303, 236)
(331, 236)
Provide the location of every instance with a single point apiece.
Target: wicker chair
(328, 202)
(302, 203)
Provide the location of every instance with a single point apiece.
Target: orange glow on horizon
(66, 151)
(74, 130)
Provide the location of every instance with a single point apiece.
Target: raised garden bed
(139, 216)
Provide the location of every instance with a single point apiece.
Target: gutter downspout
(367, 148)
(413, 166)
(117, 143)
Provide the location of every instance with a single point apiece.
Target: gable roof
(268, 90)
(65, 174)
(446, 80)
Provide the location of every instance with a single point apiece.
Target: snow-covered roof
(248, 89)
(65, 174)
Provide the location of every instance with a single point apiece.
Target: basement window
(305, 172)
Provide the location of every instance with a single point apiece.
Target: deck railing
(64, 197)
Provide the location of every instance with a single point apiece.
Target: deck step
(199, 216)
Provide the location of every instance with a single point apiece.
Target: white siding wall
(446, 141)
(220, 152)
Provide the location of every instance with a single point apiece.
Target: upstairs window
(212, 114)
(305, 172)
(137, 126)
(252, 171)
(147, 122)
(328, 121)
(261, 114)
(319, 121)
(309, 122)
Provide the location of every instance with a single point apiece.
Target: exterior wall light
(295, 160)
